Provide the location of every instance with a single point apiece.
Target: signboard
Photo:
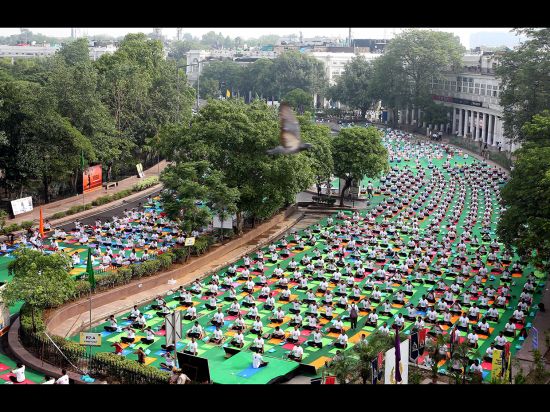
(190, 241)
(22, 205)
(92, 178)
(90, 339)
(139, 168)
(535, 333)
(226, 224)
(456, 100)
(173, 327)
(403, 364)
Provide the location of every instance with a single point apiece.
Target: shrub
(59, 215)
(126, 369)
(109, 279)
(26, 318)
(165, 260)
(137, 270)
(27, 224)
(125, 274)
(145, 184)
(150, 267)
(14, 227)
(82, 288)
(180, 254)
(201, 245)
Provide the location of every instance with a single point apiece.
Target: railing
(500, 158)
(78, 360)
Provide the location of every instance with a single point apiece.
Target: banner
(496, 371)
(389, 372)
(422, 340)
(535, 342)
(413, 355)
(139, 168)
(22, 205)
(377, 372)
(226, 224)
(403, 365)
(92, 178)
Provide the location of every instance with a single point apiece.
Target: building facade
(29, 52)
(473, 99)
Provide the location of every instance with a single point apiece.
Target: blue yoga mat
(248, 372)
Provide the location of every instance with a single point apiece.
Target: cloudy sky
(357, 32)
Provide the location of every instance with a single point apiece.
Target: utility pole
(179, 30)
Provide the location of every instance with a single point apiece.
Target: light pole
(198, 78)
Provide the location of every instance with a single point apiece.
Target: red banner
(92, 178)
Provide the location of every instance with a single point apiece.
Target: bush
(137, 270)
(14, 227)
(82, 288)
(27, 224)
(201, 245)
(145, 184)
(125, 369)
(125, 274)
(165, 260)
(151, 267)
(180, 253)
(59, 215)
(26, 318)
(108, 280)
(121, 194)
(101, 200)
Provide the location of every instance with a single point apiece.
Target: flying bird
(290, 133)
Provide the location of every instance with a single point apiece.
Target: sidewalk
(65, 204)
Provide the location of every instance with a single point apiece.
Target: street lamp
(198, 78)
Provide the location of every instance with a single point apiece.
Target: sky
(248, 32)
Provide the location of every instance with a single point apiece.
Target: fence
(500, 158)
(96, 366)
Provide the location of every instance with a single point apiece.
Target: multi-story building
(473, 98)
(33, 51)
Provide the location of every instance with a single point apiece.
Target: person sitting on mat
(337, 325)
(483, 327)
(278, 316)
(196, 288)
(317, 340)
(285, 295)
(239, 323)
(296, 353)
(384, 328)
(234, 309)
(218, 318)
(518, 316)
(342, 341)
(386, 311)
(118, 347)
(257, 326)
(165, 310)
(311, 322)
(492, 314)
(473, 312)
(463, 322)
(399, 321)
(372, 319)
(257, 345)
(472, 339)
(140, 322)
(196, 331)
(297, 319)
(500, 341)
(190, 313)
(257, 361)
(248, 300)
(253, 312)
(113, 324)
(278, 333)
(159, 303)
(150, 336)
(489, 353)
(294, 335)
(192, 348)
(510, 328)
(169, 361)
(212, 303)
(264, 292)
(130, 335)
(238, 339)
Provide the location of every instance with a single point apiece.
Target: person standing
(353, 315)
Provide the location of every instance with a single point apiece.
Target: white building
(28, 52)
(473, 99)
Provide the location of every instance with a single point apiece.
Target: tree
(525, 87)
(358, 152)
(42, 281)
(344, 367)
(321, 153)
(353, 87)
(234, 138)
(525, 222)
(415, 58)
(295, 70)
(377, 342)
(300, 100)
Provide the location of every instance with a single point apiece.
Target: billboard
(139, 168)
(92, 178)
(22, 205)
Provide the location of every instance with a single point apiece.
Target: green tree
(42, 281)
(377, 342)
(320, 154)
(415, 58)
(344, 367)
(300, 100)
(353, 87)
(525, 222)
(358, 152)
(293, 70)
(525, 87)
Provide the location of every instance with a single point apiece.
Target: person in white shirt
(217, 336)
(311, 323)
(510, 328)
(191, 348)
(257, 326)
(342, 340)
(372, 319)
(134, 313)
(169, 361)
(296, 353)
(150, 336)
(518, 316)
(294, 335)
(489, 353)
(384, 328)
(483, 327)
(48, 380)
(130, 335)
(317, 339)
(238, 339)
(476, 367)
(64, 379)
(257, 345)
(500, 341)
(19, 374)
(337, 325)
(196, 331)
(278, 333)
(218, 318)
(278, 316)
(113, 325)
(492, 314)
(472, 339)
(463, 322)
(257, 361)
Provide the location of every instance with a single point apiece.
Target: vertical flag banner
(398, 378)
(90, 269)
(496, 370)
(404, 363)
(389, 370)
(41, 224)
(227, 93)
(422, 340)
(414, 347)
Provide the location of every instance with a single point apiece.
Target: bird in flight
(290, 133)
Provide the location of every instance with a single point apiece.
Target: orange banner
(92, 178)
